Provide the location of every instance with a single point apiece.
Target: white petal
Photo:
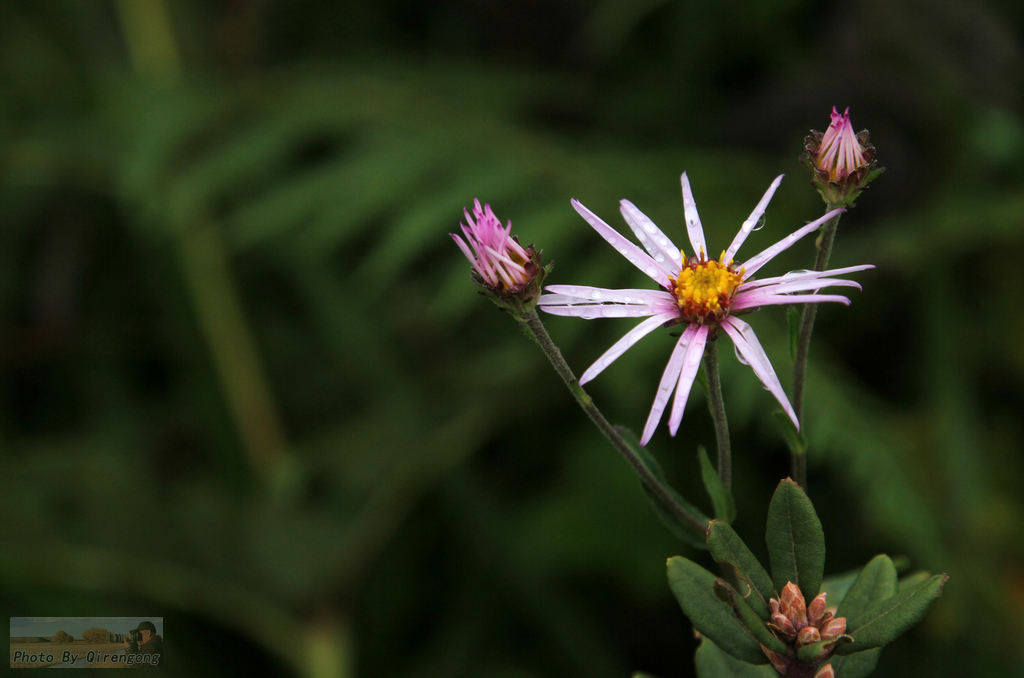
(631, 252)
(755, 300)
(756, 262)
(691, 363)
(624, 344)
(590, 311)
(752, 220)
(749, 347)
(653, 239)
(798, 285)
(804, 275)
(579, 293)
(693, 225)
(669, 379)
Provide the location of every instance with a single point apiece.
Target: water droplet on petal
(596, 294)
(761, 221)
(651, 271)
(739, 356)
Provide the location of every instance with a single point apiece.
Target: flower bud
(509, 273)
(800, 626)
(816, 610)
(808, 635)
(784, 626)
(842, 163)
(792, 605)
(833, 627)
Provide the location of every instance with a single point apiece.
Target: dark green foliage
(877, 612)
(875, 583)
(796, 543)
(884, 620)
(727, 547)
(713, 663)
(693, 587)
(721, 499)
(750, 619)
(677, 527)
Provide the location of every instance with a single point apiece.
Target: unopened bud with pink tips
(842, 163)
(509, 273)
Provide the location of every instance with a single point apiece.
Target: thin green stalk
(531, 322)
(232, 347)
(717, 405)
(154, 53)
(824, 243)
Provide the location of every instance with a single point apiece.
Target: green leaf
(821, 649)
(875, 583)
(793, 315)
(796, 544)
(693, 587)
(721, 499)
(883, 622)
(912, 579)
(859, 665)
(754, 624)
(795, 440)
(727, 547)
(683, 531)
(712, 662)
(838, 585)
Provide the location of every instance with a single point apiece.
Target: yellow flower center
(704, 290)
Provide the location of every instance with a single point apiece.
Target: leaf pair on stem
(759, 617)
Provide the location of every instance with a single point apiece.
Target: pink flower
(503, 265)
(842, 163)
(840, 152)
(699, 292)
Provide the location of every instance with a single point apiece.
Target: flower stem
(534, 328)
(205, 262)
(717, 405)
(803, 345)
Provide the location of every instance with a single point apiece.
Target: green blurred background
(246, 384)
